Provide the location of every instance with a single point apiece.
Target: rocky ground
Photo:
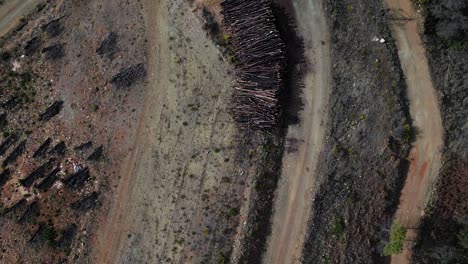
(65, 124)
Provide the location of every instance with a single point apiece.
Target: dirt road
(297, 183)
(11, 11)
(424, 109)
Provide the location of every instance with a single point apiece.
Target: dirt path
(426, 153)
(297, 183)
(113, 233)
(168, 195)
(11, 11)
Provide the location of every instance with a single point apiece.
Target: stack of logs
(260, 58)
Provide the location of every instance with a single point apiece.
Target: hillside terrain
(233, 131)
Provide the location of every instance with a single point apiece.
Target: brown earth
(93, 110)
(425, 155)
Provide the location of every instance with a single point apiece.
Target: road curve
(11, 11)
(424, 109)
(298, 181)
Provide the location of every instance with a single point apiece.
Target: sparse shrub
(406, 132)
(231, 58)
(5, 55)
(222, 259)
(337, 226)
(463, 238)
(233, 212)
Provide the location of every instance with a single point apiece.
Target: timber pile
(53, 52)
(127, 76)
(53, 28)
(41, 151)
(260, 57)
(87, 203)
(4, 177)
(7, 143)
(51, 111)
(18, 151)
(78, 179)
(38, 173)
(108, 45)
(49, 180)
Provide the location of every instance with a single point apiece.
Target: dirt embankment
(364, 160)
(297, 184)
(425, 154)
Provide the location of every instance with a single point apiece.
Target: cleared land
(178, 196)
(298, 182)
(425, 155)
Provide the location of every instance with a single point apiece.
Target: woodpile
(260, 58)
(127, 76)
(31, 213)
(18, 151)
(38, 173)
(108, 45)
(53, 28)
(32, 46)
(53, 52)
(78, 179)
(51, 111)
(49, 180)
(97, 154)
(59, 149)
(4, 177)
(7, 143)
(41, 151)
(87, 203)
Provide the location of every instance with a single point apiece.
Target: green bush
(392, 249)
(222, 259)
(337, 226)
(463, 238)
(397, 236)
(233, 212)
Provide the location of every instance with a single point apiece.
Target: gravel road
(297, 184)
